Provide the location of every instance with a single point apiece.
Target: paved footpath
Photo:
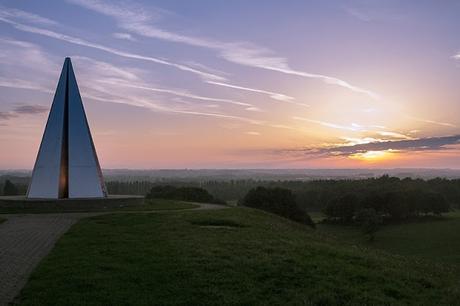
(26, 239)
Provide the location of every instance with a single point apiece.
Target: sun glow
(373, 156)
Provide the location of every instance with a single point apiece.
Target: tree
(437, 203)
(397, 205)
(9, 189)
(369, 221)
(279, 201)
(342, 207)
(192, 194)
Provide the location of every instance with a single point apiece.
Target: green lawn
(436, 240)
(317, 216)
(159, 204)
(150, 204)
(225, 257)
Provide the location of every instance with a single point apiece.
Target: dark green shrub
(369, 221)
(279, 201)
(10, 189)
(191, 194)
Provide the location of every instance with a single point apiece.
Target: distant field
(232, 256)
(437, 240)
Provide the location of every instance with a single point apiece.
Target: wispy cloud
(107, 71)
(271, 94)
(103, 73)
(94, 73)
(82, 42)
(262, 58)
(31, 109)
(368, 11)
(25, 16)
(393, 135)
(23, 110)
(329, 124)
(179, 93)
(132, 18)
(6, 115)
(447, 124)
(23, 84)
(24, 54)
(413, 145)
(125, 36)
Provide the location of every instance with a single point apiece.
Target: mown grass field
(430, 239)
(236, 256)
(160, 204)
(149, 205)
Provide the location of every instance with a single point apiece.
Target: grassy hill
(233, 256)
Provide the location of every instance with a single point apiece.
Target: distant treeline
(311, 195)
(19, 183)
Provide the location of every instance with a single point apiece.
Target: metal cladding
(67, 164)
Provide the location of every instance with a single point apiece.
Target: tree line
(310, 195)
(393, 205)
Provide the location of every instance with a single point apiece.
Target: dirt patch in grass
(216, 223)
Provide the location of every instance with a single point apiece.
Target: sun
(373, 156)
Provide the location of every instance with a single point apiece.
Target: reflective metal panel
(85, 178)
(46, 173)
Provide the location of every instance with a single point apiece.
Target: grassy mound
(246, 257)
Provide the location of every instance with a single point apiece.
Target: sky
(239, 84)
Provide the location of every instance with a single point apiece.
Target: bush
(369, 221)
(279, 201)
(191, 194)
(9, 189)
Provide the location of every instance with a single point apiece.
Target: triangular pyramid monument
(67, 164)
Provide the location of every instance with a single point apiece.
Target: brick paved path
(24, 241)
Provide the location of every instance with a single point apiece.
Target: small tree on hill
(9, 189)
(369, 221)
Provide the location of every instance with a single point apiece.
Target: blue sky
(228, 84)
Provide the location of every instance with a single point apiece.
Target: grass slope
(235, 256)
(435, 240)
